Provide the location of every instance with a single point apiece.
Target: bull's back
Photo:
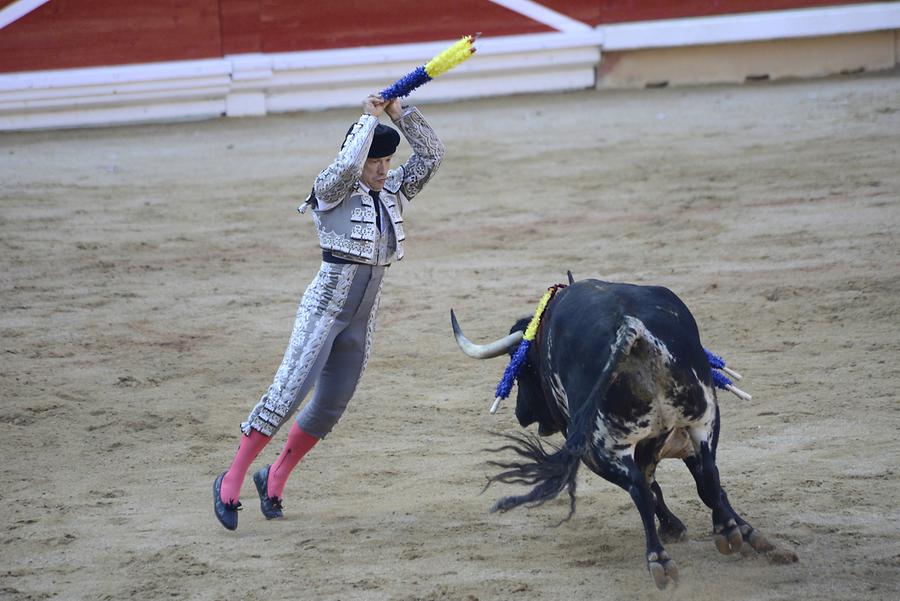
(582, 330)
(665, 315)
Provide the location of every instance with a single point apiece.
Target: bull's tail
(549, 469)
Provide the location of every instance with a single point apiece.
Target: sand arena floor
(150, 277)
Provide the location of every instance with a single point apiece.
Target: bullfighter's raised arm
(428, 151)
(335, 182)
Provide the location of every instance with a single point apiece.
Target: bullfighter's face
(375, 172)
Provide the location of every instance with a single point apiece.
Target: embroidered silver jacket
(345, 214)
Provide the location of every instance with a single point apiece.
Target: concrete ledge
(753, 27)
(752, 61)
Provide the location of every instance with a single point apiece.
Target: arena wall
(67, 63)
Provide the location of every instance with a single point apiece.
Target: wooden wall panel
(288, 25)
(604, 12)
(63, 34)
(241, 26)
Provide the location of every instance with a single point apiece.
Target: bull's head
(531, 403)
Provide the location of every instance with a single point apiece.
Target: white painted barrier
(753, 27)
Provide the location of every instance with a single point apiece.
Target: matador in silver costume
(357, 204)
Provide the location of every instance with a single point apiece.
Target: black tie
(375, 195)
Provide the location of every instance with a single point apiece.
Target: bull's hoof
(728, 538)
(663, 570)
(754, 541)
(672, 534)
(758, 541)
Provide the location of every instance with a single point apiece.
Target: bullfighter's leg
(337, 377)
(671, 529)
(345, 365)
(625, 473)
(311, 337)
(324, 311)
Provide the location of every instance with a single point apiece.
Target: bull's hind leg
(706, 476)
(730, 530)
(626, 474)
(671, 529)
(757, 540)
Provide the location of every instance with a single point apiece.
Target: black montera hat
(384, 142)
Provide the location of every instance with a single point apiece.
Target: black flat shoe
(270, 506)
(225, 512)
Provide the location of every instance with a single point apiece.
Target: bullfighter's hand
(393, 109)
(373, 105)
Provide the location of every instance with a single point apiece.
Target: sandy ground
(150, 277)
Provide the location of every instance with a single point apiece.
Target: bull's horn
(571, 279)
(483, 351)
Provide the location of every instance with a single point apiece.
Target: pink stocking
(298, 444)
(250, 447)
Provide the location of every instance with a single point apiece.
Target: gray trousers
(329, 348)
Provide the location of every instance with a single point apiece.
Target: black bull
(619, 369)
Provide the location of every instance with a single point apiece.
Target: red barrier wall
(62, 34)
(279, 26)
(83, 33)
(597, 12)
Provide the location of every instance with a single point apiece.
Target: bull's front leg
(624, 472)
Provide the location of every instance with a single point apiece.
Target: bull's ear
(571, 279)
(521, 324)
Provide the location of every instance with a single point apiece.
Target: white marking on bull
(559, 394)
(556, 385)
(709, 394)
